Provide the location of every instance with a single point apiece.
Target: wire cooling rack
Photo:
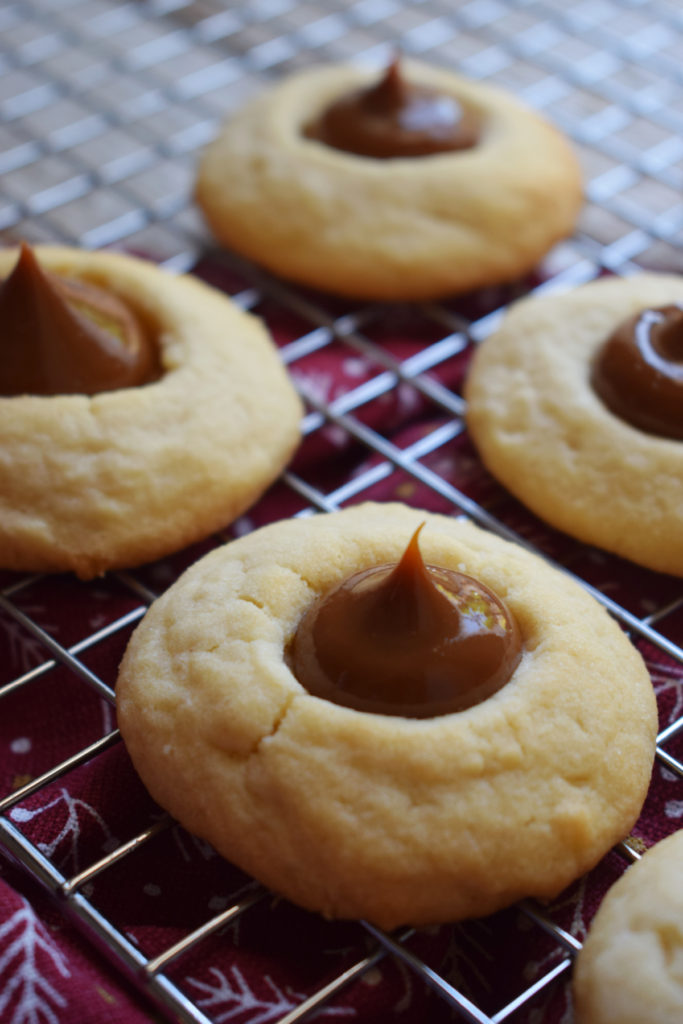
(103, 108)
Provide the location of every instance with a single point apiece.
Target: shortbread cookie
(359, 814)
(406, 228)
(544, 432)
(89, 483)
(630, 970)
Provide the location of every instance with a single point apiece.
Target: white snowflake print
(76, 809)
(242, 526)
(189, 845)
(238, 997)
(578, 927)
(25, 650)
(24, 942)
(21, 745)
(356, 366)
(468, 946)
(316, 385)
(539, 1014)
(674, 809)
(337, 436)
(665, 678)
(409, 399)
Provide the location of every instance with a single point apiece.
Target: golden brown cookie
(542, 430)
(358, 814)
(89, 483)
(407, 228)
(630, 969)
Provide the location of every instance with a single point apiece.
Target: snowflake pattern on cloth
(230, 995)
(28, 961)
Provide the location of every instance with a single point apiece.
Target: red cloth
(275, 955)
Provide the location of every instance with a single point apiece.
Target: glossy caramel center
(395, 118)
(66, 336)
(638, 372)
(406, 639)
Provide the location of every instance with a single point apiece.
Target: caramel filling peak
(66, 336)
(395, 118)
(406, 639)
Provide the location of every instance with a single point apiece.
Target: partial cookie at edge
(630, 969)
(544, 433)
(123, 477)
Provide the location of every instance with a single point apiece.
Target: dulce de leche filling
(66, 336)
(638, 372)
(395, 118)
(406, 639)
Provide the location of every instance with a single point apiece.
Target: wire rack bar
(153, 967)
(90, 641)
(60, 654)
(84, 755)
(77, 881)
(465, 1007)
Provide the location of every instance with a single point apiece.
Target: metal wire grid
(103, 107)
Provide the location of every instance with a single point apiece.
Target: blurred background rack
(104, 108)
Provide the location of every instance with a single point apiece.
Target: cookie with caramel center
(90, 482)
(358, 813)
(280, 186)
(581, 421)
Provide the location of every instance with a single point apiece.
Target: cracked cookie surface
(630, 969)
(356, 814)
(542, 430)
(89, 483)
